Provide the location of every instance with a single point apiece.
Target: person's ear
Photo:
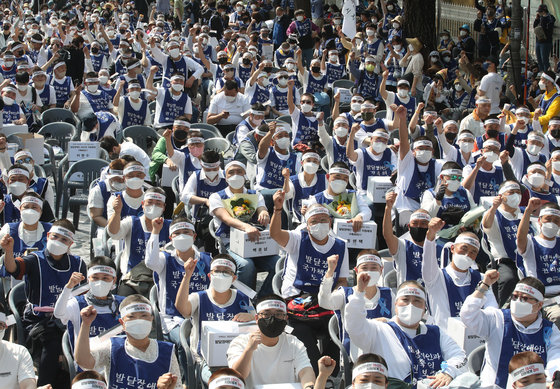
(121, 321)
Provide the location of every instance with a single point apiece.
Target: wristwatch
(479, 287)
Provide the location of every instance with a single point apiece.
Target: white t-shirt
(16, 365)
(492, 84)
(219, 104)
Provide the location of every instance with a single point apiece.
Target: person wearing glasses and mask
(39, 185)
(510, 331)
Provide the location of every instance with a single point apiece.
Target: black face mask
(316, 69)
(493, 133)
(180, 135)
(366, 116)
(418, 233)
(555, 133)
(94, 50)
(246, 61)
(267, 69)
(222, 61)
(450, 136)
(272, 327)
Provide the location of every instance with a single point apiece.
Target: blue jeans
(543, 50)
(174, 336)
(247, 271)
(306, 57)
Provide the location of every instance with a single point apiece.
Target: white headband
(136, 307)
(508, 187)
(555, 153)
(483, 101)
(316, 211)
(39, 73)
(235, 163)
(544, 75)
(536, 166)
(468, 240)
(339, 170)
(256, 112)
(210, 165)
(194, 140)
(154, 196)
(223, 262)
(181, 123)
(554, 123)
(450, 122)
(89, 383)
(368, 258)
(17, 170)
(528, 289)
(92, 79)
(181, 226)
(535, 136)
(115, 172)
(524, 371)
(380, 133)
(133, 168)
(177, 77)
(22, 153)
(59, 65)
(340, 120)
(491, 121)
(465, 135)
(271, 304)
(411, 291)
(62, 231)
(226, 380)
(280, 129)
(450, 172)
(102, 269)
(522, 110)
(134, 65)
(31, 199)
(491, 142)
(419, 143)
(9, 89)
(369, 367)
(549, 212)
(420, 216)
(310, 155)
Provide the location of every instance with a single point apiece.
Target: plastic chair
(285, 118)
(230, 136)
(280, 264)
(176, 189)
(68, 355)
(17, 301)
(155, 310)
(50, 163)
(475, 359)
(346, 369)
(62, 132)
(39, 171)
(221, 145)
(277, 284)
(343, 83)
(140, 135)
(208, 130)
(325, 163)
(390, 280)
(212, 230)
(58, 115)
(381, 114)
(185, 333)
(91, 169)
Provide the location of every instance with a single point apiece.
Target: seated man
(89, 379)
(526, 369)
(101, 192)
(130, 200)
(12, 112)
(134, 358)
(39, 185)
(187, 159)
(405, 339)
(269, 355)
(370, 369)
(46, 273)
(116, 150)
(510, 331)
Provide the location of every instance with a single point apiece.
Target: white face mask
(556, 165)
(379, 147)
(256, 122)
(103, 80)
(138, 329)
(183, 242)
(7, 100)
(338, 186)
(153, 211)
(22, 88)
(118, 186)
(491, 156)
(134, 183)
(236, 182)
(550, 230)
(542, 85)
(513, 200)
(134, 94)
(221, 282)
(177, 87)
(310, 167)
(28, 166)
(174, 53)
(341, 132)
(17, 188)
(370, 32)
(320, 230)
(534, 149)
(520, 309)
(373, 277)
(283, 143)
(30, 216)
(396, 25)
(92, 88)
(265, 82)
(231, 99)
(453, 185)
(282, 82)
(100, 288)
(458, 87)
(299, 18)
(290, 66)
(462, 33)
(410, 47)
(397, 47)
(333, 58)
(356, 107)
(368, 385)
(536, 180)
(536, 385)
(306, 108)
(211, 174)
(423, 156)
(463, 262)
(402, 93)
(409, 314)
(466, 147)
(56, 247)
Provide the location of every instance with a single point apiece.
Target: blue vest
(172, 67)
(544, 104)
(45, 95)
(487, 184)
(281, 58)
(281, 98)
(98, 102)
(459, 200)
(204, 190)
(414, 255)
(312, 265)
(410, 106)
(105, 194)
(261, 95)
(244, 73)
(174, 271)
(521, 137)
(126, 209)
(306, 131)
(424, 351)
(548, 263)
(20, 246)
(11, 113)
(39, 186)
(105, 119)
(334, 72)
(223, 230)
(421, 181)
(97, 61)
(138, 239)
(543, 196)
(514, 342)
(132, 117)
(128, 372)
(508, 231)
(272, 177)
(501, 138)
(172, 108)
(371, 48)
(301, 193)
(457, 294)
(373, 168)
(11, 213)
(244, 122)
(315, 85)
(339, 151)
(62, 90)
(368, 85)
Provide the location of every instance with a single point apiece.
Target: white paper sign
(345, 95)
(349, 21)
(167, 175)
(267, 51)
(81, 150)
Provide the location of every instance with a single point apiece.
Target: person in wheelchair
(101, 192)
(40, 185)
(46, 274)
(168, 268)
(134, 359)
(101, 279)
(135, 232)
(219, 302)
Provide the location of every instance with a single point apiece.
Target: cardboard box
(9, 129)
(35, 144)
(216, 337)
(465, 337)
(167, 175)
(377, 187)
(366, 238)
(240, 244)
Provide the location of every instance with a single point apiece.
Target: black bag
(305, 307)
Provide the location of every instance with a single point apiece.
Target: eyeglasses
(455, 177)
(25, 160)
(522, 298)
